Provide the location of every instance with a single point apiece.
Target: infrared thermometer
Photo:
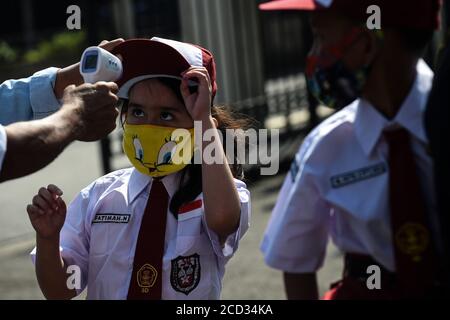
(97, 64)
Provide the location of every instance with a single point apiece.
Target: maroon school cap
(414, 14)
(157, 57)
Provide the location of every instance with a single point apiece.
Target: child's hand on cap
(198, 104)
(47, 212)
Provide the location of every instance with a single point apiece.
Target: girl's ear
(216, 123)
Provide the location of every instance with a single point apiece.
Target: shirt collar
(369, 123)
(139, 183)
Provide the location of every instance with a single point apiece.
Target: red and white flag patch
(190, 206)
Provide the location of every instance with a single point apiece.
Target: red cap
(415, 14)
(150, 58)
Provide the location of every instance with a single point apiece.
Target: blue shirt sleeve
(28, 98)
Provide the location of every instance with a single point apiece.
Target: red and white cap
(157, 57)
(415, 14)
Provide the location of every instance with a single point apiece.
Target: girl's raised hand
(198, 104)
(47, 212)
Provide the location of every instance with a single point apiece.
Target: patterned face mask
(158, 151)
(329, 80)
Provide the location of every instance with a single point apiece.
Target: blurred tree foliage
(64, 45)
(7, 54)
(61, 49)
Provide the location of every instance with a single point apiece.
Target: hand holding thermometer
(97, 64)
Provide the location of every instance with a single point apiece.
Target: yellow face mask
(158, 151)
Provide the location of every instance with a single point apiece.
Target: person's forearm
(51, 271)
(301, 286)
(65, 77)
(221, 200)
(32, 145)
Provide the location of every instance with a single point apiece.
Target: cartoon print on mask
(139, 151)
(158, 151)
(165, 154)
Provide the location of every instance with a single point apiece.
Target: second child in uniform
(363, 177)
(163, 229)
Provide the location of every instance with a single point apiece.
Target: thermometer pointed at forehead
(97, 64)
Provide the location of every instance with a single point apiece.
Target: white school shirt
(338, 186)
(101, 230)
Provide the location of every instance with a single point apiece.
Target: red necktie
(413, 244)
(146, 281)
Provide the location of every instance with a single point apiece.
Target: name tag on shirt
(347, 178)
(111, 218)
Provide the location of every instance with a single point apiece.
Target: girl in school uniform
(165, 228)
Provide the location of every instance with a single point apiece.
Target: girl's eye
(137, 113)
(166, 116)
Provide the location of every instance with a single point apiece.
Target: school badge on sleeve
(185, 273)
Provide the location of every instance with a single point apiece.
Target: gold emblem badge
(412, 239)
(146, 277)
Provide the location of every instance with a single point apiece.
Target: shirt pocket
(191, 238)
(106, 235)
(190, 223)
(189, 245)
(99, 239)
